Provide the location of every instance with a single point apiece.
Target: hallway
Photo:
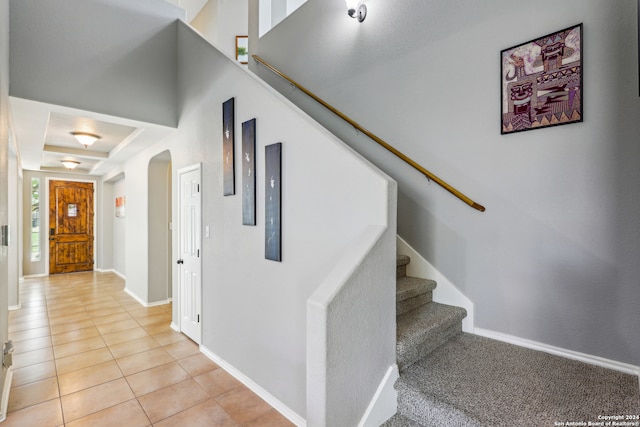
(88, 354)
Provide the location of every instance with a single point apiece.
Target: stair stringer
(446, 292)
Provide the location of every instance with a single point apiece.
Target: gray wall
(119, 229)
(131, 70)
(159, 217)
(254, 310)
(105, 234)
(4, 205)
(555, 257)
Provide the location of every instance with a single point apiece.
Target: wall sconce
(85, 138)
(357, 10)
(70, 164)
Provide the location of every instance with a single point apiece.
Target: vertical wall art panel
(541, 82)
(228, 145)
(121, 202)
(273, 206)
(249, 172)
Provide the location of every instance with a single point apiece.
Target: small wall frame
(242, 49)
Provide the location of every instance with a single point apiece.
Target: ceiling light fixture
(70, 164)
(85, 138)
(357, 10)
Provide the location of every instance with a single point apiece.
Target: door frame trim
(177, 301)
(46, 219)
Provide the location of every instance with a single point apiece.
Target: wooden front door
(70, 226)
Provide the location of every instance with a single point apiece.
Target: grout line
(75, 289)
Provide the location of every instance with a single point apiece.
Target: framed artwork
(273, 205)
(541, 82)
(242, 49)
(249, 172)
(228, 146)
(121, 201)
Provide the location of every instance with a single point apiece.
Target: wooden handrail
(374, 137)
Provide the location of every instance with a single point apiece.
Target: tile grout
(77, 301)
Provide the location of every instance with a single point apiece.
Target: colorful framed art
(541, 82)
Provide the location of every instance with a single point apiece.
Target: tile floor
(87, 354)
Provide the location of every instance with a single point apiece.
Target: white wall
(14, 231)
(554, 257)
(220, 21)
(272, 12)
(192, 7)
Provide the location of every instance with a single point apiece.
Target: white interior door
(189, 264)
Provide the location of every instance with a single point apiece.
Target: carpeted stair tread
(402, 260)
(425, 328)
(412, 292)
(475, 381)
(409, 287)
(400, 421)
(401, 265)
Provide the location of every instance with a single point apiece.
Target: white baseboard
(156, 303)
(445, 292)
(264, 395)
(144, 303)
(111, 270)
(569, 354)
(4, 403)
(175, 327)
(134, 296)
(15, 307)
(384, 404)
(33, 276)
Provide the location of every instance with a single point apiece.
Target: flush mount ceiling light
(70, 164)
(85, 138)
(357, 10)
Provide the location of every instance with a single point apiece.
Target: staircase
(452, 379)
(422, 327)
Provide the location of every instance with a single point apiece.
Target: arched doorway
(159, 229)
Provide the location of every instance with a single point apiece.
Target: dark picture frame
(541, 82)
(249, 172)
(273, 202)
(228, 147)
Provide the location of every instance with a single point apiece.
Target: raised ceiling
(108, 67)
(43, 133)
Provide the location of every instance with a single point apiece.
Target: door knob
(180, 261)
